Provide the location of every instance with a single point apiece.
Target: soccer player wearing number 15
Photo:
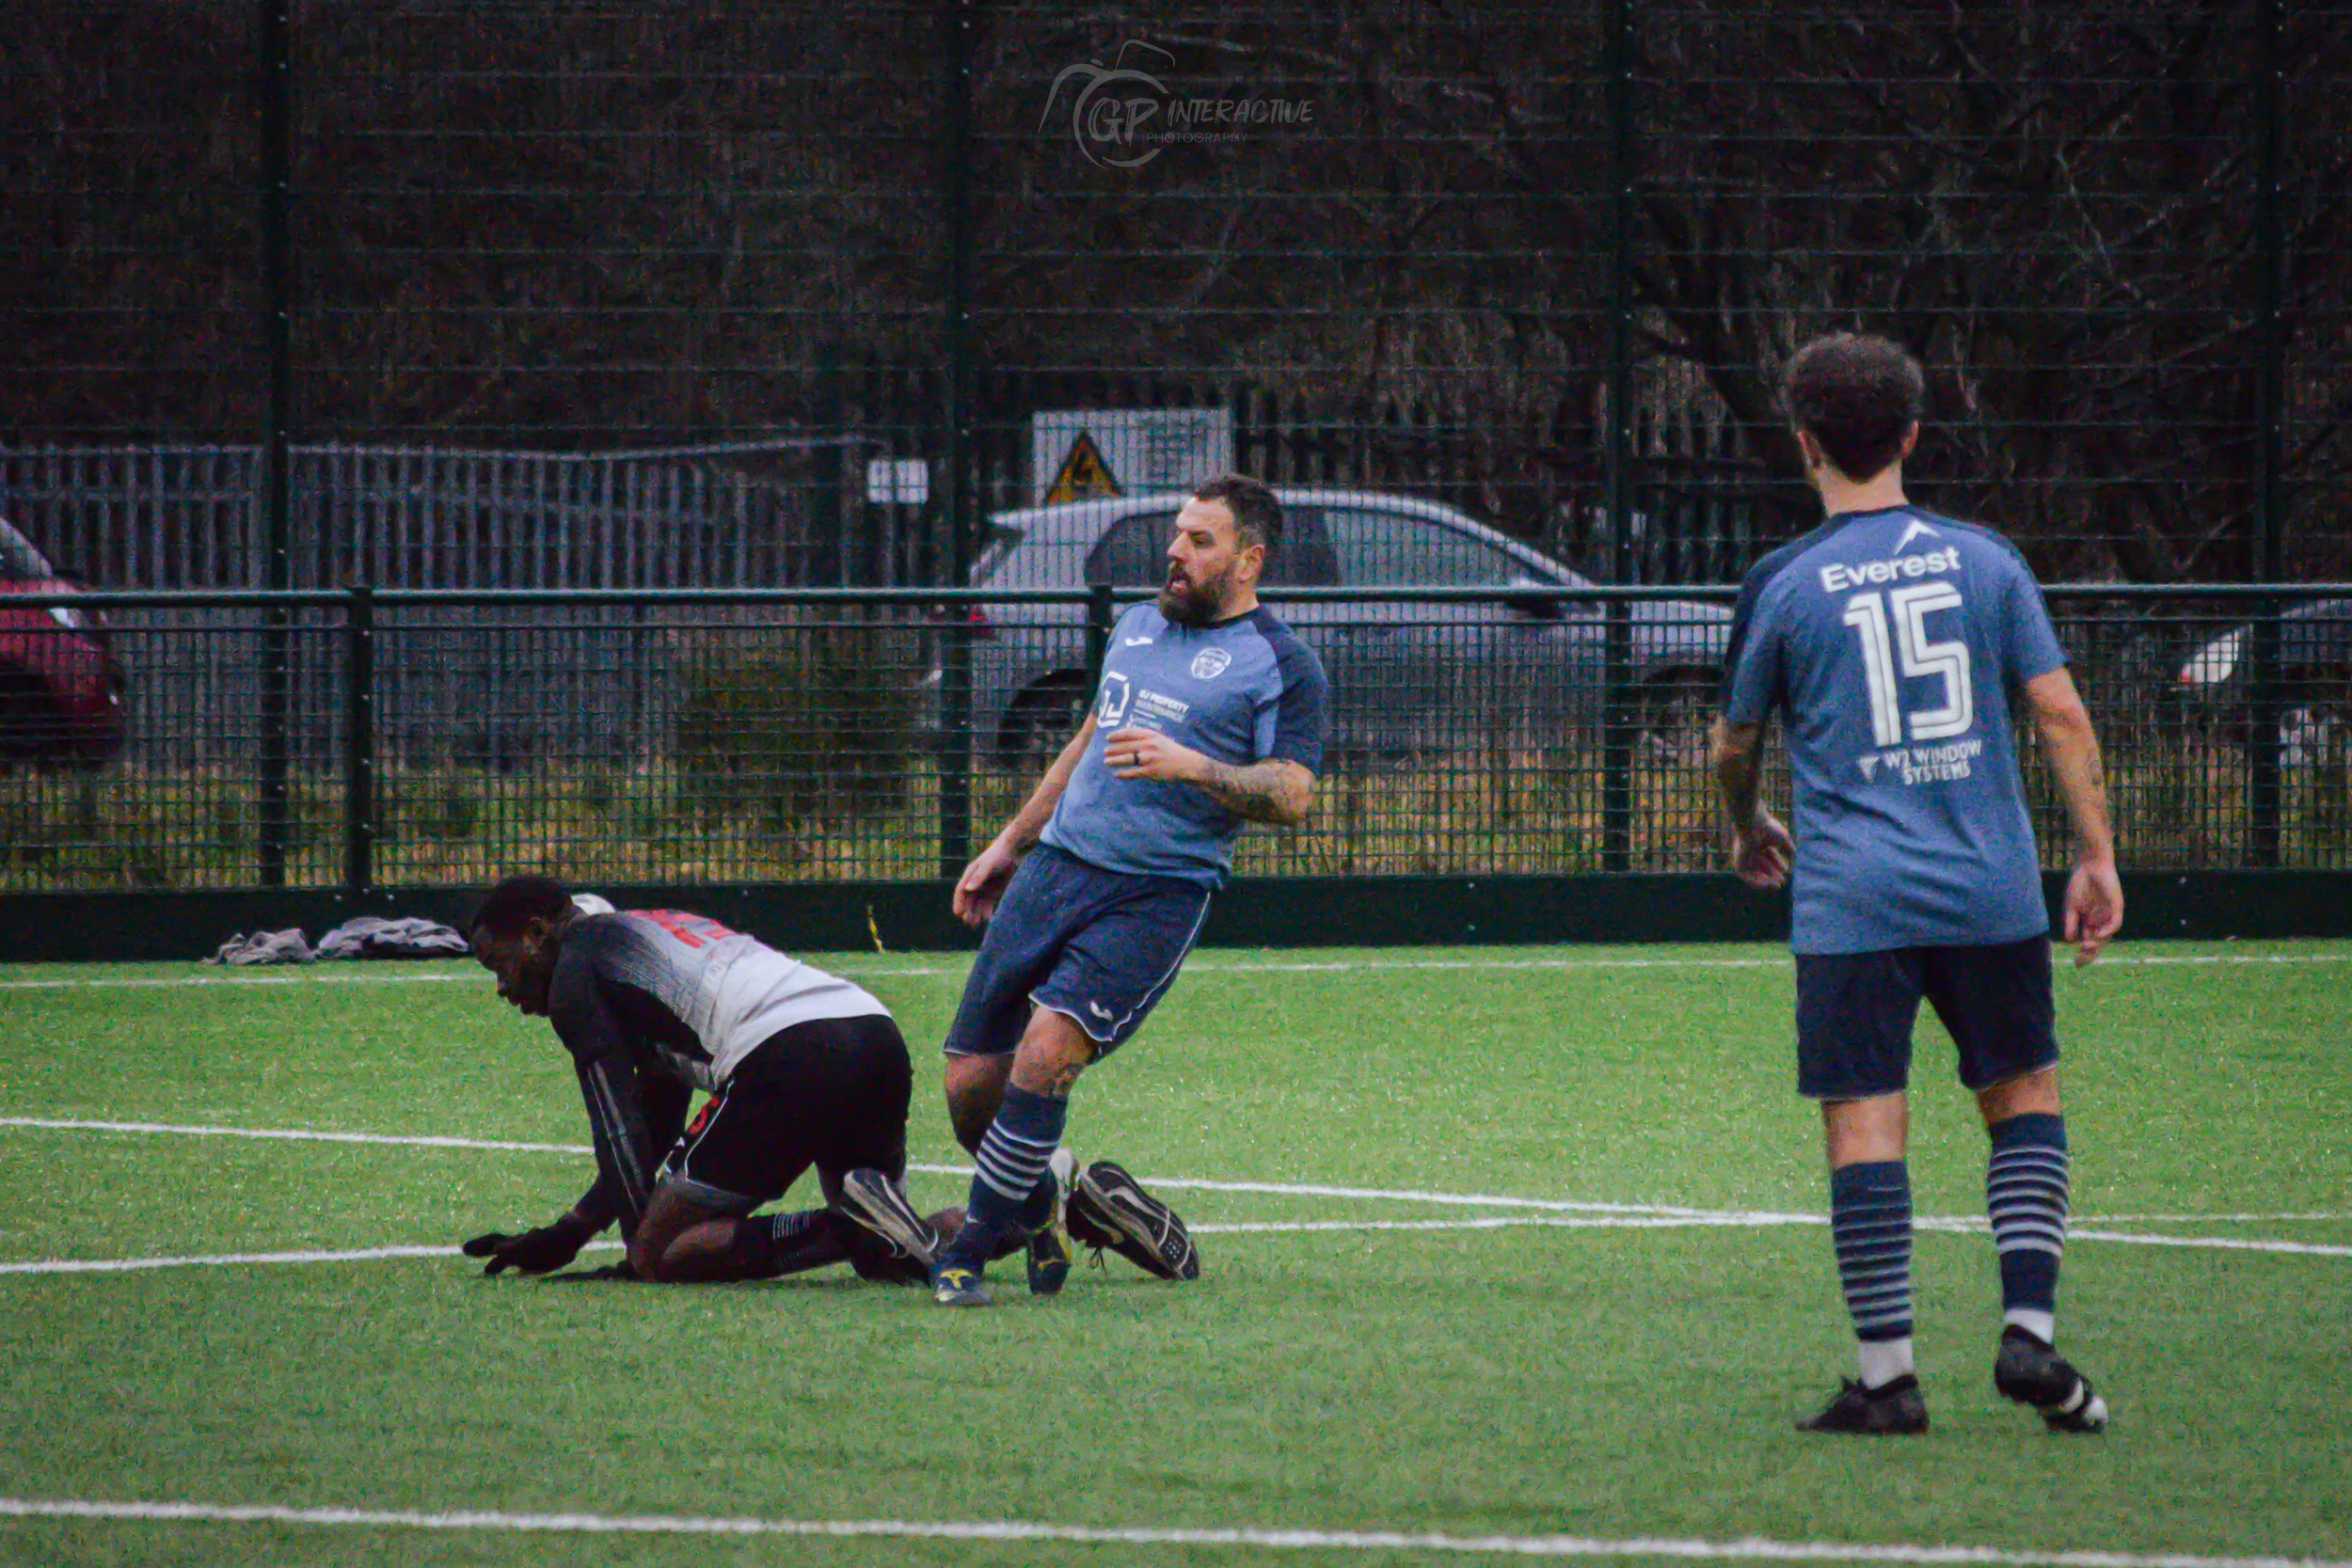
(1894, 640)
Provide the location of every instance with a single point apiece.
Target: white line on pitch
(294, 1134)
(149, 982)
(1748, 1548)
(297, 1135)
(1727, 1220)
(235, 1259)
(1335, 966)
(1174, 1183)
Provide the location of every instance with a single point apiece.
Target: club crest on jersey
(1210, 663)
(1116, 693)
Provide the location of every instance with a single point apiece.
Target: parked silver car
(1523, 667)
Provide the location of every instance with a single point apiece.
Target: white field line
(1339, 966)
(291, 1134)
(1280, 1189)
(1730, 1220)
(397, 977)
(1748, 1549)
(237, 1259)
(1727, 1220)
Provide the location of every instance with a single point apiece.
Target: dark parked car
(1524, 665)
(2314, 681)
(60, 688)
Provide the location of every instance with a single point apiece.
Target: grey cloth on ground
(367, 936)
(265, 947)
(364, 936)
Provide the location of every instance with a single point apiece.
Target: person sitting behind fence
(802, 1069)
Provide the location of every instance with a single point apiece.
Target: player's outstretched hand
(1762, 851)
(983, 882)
(1139, 753)
(550, 1246)
(2094, 909)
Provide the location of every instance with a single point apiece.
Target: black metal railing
(694, 737)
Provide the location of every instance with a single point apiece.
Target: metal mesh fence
(796, 294)
(446, 740)
(712, 296)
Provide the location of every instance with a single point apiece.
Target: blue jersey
(1241, 691)
(1892, 641)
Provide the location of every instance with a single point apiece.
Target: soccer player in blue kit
(1209, 714)
(1894, 640)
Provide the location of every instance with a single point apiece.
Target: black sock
(767, 1246)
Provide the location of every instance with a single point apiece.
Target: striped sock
(1869, 1214)
(2025, 1192)
(1011, 1162)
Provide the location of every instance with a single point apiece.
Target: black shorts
(1855, 1012)
(830, 1093)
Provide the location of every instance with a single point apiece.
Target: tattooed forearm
(2073, 748)
(1738, 756)
(1276, 792)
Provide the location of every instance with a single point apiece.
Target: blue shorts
(1855, 1012)
(1101, 946)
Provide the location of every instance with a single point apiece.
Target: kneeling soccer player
(802, 1069)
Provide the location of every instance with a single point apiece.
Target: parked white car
(1522, 667)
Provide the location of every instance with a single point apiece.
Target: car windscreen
(1133, 552)
(1390, 549)
(19, 560)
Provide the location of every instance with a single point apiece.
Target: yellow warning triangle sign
(1084, 475)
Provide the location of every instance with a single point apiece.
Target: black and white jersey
(654, 1003)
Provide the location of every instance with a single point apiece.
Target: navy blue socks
(1870, 1210)
(2025, 1192)
(1011, 1164)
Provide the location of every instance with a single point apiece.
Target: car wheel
(1042, 721)
(1673, 712)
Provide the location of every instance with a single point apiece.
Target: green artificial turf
(1601, 1381)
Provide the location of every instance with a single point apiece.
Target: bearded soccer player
(1896, 643)
(802, 1069)
(1209, 714)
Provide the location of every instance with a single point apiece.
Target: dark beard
(1188, 607)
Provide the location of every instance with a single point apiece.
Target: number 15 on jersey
(1893, 627)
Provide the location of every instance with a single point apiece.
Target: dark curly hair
(1856, 395)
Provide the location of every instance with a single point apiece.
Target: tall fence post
(359, 743)
(2263, 782)
(1101, 613)
(955, 755)
(1617, 734)
(277, 106)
